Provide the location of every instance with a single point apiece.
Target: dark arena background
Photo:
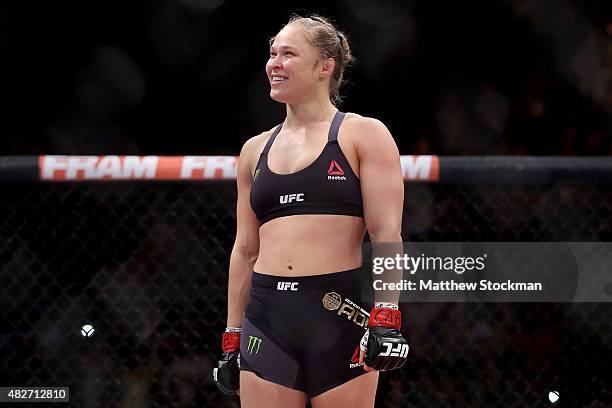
(502, 110)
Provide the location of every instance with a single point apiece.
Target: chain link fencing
(146, 264)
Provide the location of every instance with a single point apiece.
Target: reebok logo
(288, 198)
(335, 172)
(400, 350)
(335, 169)
(254, 343)
(287, 286)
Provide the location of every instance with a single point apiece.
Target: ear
(327, 68)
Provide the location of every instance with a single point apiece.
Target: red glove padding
(385, 317)
(230, 341)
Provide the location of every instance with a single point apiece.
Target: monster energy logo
(256, 174)
(254, 343)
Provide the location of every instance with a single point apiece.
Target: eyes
(290, 53)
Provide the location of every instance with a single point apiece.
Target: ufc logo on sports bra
(289, 198)
(400, 350)
(287, 286)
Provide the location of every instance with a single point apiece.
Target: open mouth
(275, 79)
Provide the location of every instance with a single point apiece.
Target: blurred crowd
(186, 76)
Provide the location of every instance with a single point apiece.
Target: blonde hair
(331, 43)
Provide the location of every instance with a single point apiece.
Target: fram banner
(74, 168)
(420, 168)
(60, 168)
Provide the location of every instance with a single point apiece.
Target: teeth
(278, 79)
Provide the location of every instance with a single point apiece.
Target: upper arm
(382, 184)
(247, 224)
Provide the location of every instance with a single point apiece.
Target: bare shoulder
(356, 119)
(364, 131)
(252, 148)
(256, 143)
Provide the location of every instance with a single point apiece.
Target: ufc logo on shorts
(287, 286)
(288, 198)
(400, 350)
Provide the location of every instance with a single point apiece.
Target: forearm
(227, 373)
(387, 244)
(384, 324)
(239, 285)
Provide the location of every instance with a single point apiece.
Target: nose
(275, 62)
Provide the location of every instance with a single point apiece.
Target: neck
(309, 112)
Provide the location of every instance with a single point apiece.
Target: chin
(278, 97)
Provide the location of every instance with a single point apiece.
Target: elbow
(386, 236)
(248, 253)
(252, 252)
(252, 257)
(386, 233)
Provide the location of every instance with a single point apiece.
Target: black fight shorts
(304, 332)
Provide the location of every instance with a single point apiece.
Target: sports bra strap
(335, 126)
(271, 140)
(331, 137)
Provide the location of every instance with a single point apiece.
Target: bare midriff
(312, 244)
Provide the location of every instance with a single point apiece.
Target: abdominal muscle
(312, 244)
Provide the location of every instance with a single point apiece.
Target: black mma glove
(383, 346)
(227, 373)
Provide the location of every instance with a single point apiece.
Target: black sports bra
(326, 186)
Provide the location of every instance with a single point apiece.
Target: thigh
(359, 392)
(256, 392)
(331, 352)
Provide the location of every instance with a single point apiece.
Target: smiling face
(295, 68)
